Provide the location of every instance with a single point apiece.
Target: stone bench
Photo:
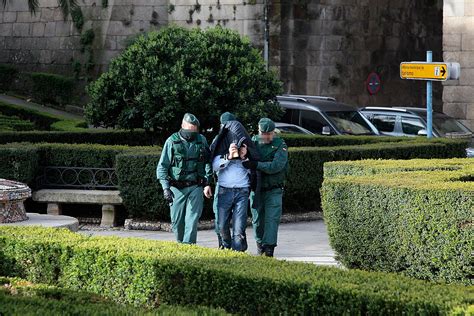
(56, 197)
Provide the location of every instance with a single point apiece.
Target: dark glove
(250, 164)
(168, 195)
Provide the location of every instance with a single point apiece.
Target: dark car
(324, 116)
(285, 128)
(407, 121)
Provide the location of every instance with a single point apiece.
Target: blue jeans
(233, 204)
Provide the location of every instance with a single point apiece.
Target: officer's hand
(233, 150)
(243, 152)
(207, 191)
(249, 164)
(168, 195)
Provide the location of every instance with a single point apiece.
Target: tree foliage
(164, 74)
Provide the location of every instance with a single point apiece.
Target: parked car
(407, 121)
(285, 128)
(324, 116)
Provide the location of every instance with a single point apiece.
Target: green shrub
(20, 297)
(139, 189)
(164, 74)
(306, 164)
(52, 88)
(14, 123)
(141, 192)
(142, 196)
(413, 216)
(91, 136)
(79, 155)
(19, 163)
(148, 273)
(297, 140)
(7, 76)
(42, 120)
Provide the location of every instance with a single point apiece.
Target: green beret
(226, 117)
(266, 125)
(191, 119)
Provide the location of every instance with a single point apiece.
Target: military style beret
(191, 119)
(266, 125)
(227, 116)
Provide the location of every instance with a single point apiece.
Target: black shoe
(259, 249)
(268, 250)
(219, 239)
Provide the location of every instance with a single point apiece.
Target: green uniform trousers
(266, 217)
(185, 213)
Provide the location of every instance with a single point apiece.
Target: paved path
(35, 106)
(304, 241)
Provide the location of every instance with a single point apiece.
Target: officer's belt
(183, 184)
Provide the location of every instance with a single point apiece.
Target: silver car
(407, 121)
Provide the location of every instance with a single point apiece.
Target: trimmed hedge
(143, 138)
(14, 123)
(306, 164)
(148, 273)
(52, 88)
(297, 140)
(90, 136)
(413, 216)
(7, 76)
(42, 120)
(19, 163)
(20, 297)
(141, 192)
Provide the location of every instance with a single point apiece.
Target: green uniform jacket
(273, 162)
(184, 161)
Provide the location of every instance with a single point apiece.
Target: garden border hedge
(147, 273)
(42, 120)
(410, 216)
(141, 192)
(20, 297)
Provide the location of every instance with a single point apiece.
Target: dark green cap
(266, 125)
(191, 119)
(226, 117)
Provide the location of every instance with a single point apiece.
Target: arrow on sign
(443, 71)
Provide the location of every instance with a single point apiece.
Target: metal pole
(266, 35)
(429, 99)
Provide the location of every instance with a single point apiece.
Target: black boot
(268, 250)
(259, 249)
(219, 239)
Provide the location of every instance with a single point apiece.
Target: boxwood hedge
(20, 297)
(89, 136)
(19, 163)
(136, 168)
(42, 120)
(140, 137)
(411, 216)
(148, 273)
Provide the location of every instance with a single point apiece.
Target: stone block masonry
(458, 46)
(317, 47)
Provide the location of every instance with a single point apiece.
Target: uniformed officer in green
(184, 172)
(273, 166)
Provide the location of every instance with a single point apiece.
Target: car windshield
(446, 125)
(349, 122)
(290, 130)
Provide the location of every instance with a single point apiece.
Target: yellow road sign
(424, 71)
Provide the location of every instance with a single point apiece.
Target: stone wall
(46, 41)
(318, 47)
(330, 47)
(458, 46)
